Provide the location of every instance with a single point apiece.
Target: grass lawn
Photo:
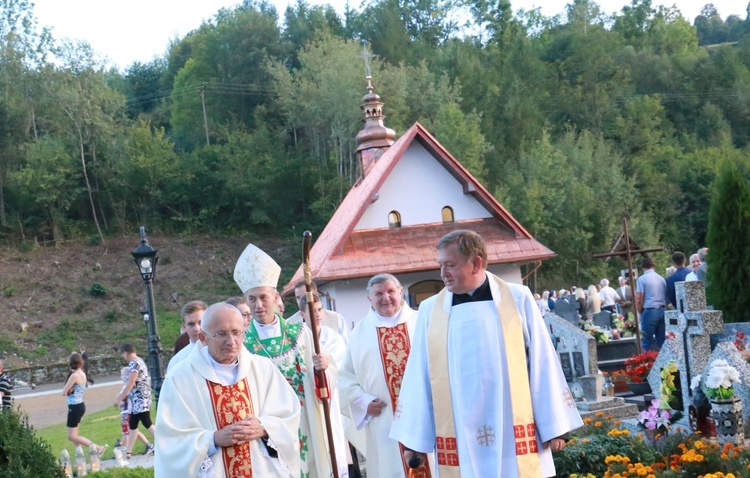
(102, 427)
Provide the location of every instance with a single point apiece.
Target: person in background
(125, 409)
(544, 303)
(73, 392)
(5, 389)
(593, 301)
(679, 275)
(695, 263)
(650, 299)
(191, 313)
(581, 301)
(138, 390)
(241, 304)
(85, 367)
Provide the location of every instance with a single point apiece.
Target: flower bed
(602, 449)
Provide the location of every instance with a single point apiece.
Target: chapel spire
(375, 138)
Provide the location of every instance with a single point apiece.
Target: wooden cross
(627, 250)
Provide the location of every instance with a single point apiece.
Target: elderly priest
(224, 412)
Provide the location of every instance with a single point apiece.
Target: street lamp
(145, 258)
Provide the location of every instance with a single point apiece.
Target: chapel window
(394, 220)
(448, 215)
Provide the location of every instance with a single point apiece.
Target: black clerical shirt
(479, 294)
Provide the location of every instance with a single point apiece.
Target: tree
(49, 182)
(729, 244)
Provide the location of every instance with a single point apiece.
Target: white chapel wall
(351, 294)
(418, 188)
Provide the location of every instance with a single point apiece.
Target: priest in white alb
(483, 386)
(224, 412)
(371, 376)
(290, 347)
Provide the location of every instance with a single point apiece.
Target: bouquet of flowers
(597, 332)
(629, 325)
(639, 366)
(720, 380)
(740, 341)
(657, 418)
(670, 382)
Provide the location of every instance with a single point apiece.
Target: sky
(138, 30)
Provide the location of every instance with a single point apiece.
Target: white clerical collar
(226, 373)
(389, 321)
(266, 331)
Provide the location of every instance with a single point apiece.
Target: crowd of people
(248, 396)
(245, 392)
(653, 295)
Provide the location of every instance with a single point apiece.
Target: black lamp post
(145, 258)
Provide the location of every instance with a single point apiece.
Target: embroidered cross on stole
(527, 453)
(231, 404)
(395, 346)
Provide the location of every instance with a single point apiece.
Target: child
(125, 415)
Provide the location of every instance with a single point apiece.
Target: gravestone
(577, 351)
(688, 342)
(568, 311)
(603, 319)
(575, 347)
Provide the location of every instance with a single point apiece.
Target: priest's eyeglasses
(224, 334)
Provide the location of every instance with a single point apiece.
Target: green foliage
(8, 291)
(586, 453)
(97, 290)
(572, 121)
(729, 244)
(124, 473)
(22, 454)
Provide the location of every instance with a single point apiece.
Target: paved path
(46, 406)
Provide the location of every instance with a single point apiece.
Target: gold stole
(394, 346)
(524, 429)
(231, 404)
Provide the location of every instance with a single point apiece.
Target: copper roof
(412, 249)
(340, 253)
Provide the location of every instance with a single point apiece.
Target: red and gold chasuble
(231, 404)
(395, 346)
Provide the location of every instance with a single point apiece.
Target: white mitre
(255, 268)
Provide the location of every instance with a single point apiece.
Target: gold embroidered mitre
(255, 268)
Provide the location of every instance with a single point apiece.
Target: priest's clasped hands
(247, 429)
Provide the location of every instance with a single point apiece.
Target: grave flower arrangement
(670, 384)
(597, 332)
(626, 325)
(659, 416)
(639, 366)
(720, 381)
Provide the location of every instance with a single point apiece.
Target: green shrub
(98, 290)
(124, 473)
(95, 240)
(22, 454)
(8, 291)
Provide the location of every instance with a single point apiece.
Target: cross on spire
(366, 56)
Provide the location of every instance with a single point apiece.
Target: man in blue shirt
(678, 260)
(650, 299)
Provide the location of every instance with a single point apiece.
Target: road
(46, 406)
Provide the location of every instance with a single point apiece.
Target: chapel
(410, 193)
